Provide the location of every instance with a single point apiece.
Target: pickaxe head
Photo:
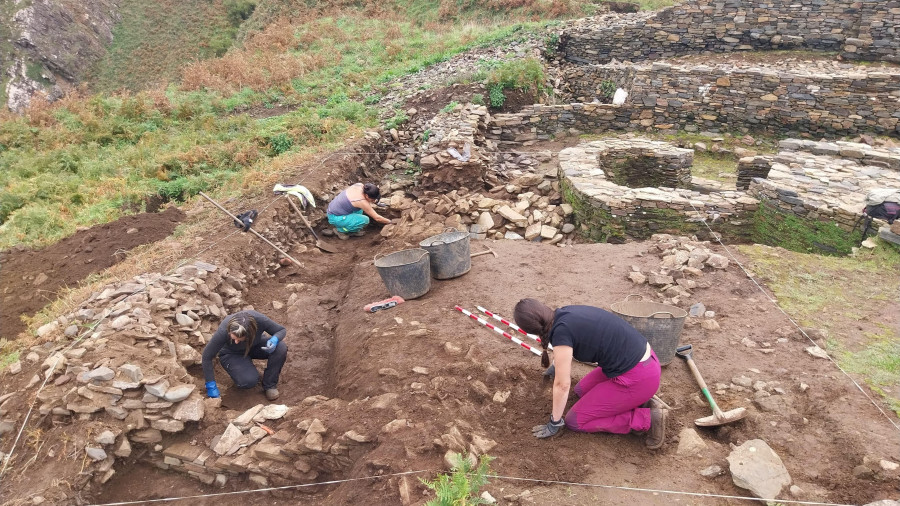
(485, 252)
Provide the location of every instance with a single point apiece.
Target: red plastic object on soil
(383, 304)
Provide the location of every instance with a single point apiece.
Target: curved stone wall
(860, 29)
(607, 211)
(822, 181)
(824, 184)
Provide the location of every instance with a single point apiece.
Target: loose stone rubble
(681, 270)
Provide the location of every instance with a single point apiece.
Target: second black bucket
(405, 273)
(449, 253)
(660, 323)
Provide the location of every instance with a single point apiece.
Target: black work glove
(551, 371)
(548, 430)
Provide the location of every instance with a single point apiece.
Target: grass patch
(524, 75)
(89, 159)
(7, 355)
(831, 293)
(155, 40)
(715, 167)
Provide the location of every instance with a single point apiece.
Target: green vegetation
(7, 354)
(525, 75)
(714, 166)
(607, 89)
(773, 227)
(842, 295)
(460, 488)
(89, 159)
(155, 40)
(551, 44)
(652, 5)
(449, 107)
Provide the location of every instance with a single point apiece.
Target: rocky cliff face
(54, 43)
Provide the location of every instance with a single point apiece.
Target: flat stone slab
(756, 467)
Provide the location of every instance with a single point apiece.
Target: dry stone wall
(861, 29)
(822, 181)
(816, 181)
(821, 100)
(879, 32)
(455, 153)
(611, 212)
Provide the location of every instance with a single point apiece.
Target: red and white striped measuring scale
(511, 325)
(495, 329)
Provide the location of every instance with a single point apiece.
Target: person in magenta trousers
(617, 396)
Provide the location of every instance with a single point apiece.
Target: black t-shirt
(598, 336)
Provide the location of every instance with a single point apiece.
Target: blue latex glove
(547, 430)
(270, 345)
(211, 389)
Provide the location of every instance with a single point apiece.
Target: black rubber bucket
(406, 273)
(660, 323)
(449, 253)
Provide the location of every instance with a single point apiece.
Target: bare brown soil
(69, 261)
(337, 350)
(431, 101)
(821, 432)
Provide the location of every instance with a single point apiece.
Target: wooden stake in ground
(233, 217)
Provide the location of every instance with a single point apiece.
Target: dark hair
(372, 191)
(243, 325)
(535, 318)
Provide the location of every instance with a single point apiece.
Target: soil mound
(30, 279)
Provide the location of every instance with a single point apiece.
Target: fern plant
(607, 88)
(460, 487)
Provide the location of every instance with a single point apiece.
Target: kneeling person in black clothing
(238, 341)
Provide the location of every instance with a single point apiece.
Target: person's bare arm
(370, 211)
(562, 361)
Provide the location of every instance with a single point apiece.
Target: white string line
(495, 476)
(269, 489)
(661, 491)
(775, 303)
(8, 458)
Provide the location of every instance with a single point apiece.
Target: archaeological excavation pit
(371, 397)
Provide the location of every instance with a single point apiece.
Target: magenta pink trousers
(611, 405)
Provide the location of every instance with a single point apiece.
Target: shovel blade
(326, 247)
(727, 417)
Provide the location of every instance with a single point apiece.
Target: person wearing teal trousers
(352, 209)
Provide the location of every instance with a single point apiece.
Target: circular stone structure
(597, 178)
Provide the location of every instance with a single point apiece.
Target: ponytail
(535, 317)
